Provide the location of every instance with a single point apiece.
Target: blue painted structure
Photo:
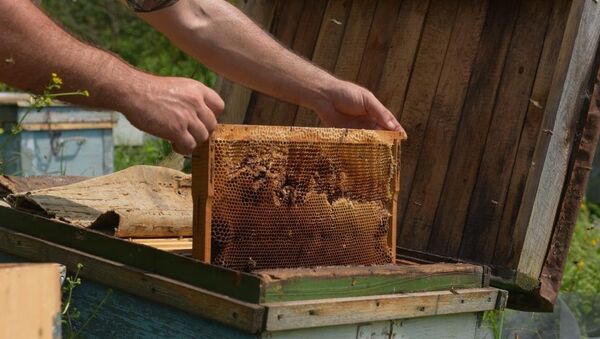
(57, 140)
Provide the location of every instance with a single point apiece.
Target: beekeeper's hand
(180, 110)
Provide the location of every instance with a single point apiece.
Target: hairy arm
(32, 47)
(224, 39)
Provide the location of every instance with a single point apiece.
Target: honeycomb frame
(251, 184)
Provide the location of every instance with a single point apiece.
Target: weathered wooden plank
(464, 325)
(244, 316)
(378, 43)
(235, 95)
(512, 100)
(419, 98)
(304, 44)
(327, 49)
(30, 300)
(355, 39)
(338, 311)
(470, 139)
(202, 194)
(237, 285)
(261, 109)
(565, 54)
(580, 168)
(510, 237)
(337, 282)
(443, 123)
(399, 63)
(553, 176)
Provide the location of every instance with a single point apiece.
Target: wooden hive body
(491, 94)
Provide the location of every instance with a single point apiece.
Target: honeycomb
(282, 197)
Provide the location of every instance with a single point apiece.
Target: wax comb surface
(273, 197)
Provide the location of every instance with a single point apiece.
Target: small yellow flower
(580, 264)
(56, 79)
(594, 242)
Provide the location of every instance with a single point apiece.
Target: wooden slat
(495, 168)
(419, 98)
(443, 123)
(339, 311)
(236, 96)
(202, 193)
(244, 316)
(237, 285)
(510, 237)
(399, 63)
(339, 282)
(552, 180)
(378, 43)
(565, 54)
(355, 40)
(327, 49)
(470, 139)
(304, 44)
(261, 109)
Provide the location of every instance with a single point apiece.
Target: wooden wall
(470, 81)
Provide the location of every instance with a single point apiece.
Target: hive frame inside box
(203, 189)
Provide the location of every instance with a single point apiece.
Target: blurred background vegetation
(110, 25)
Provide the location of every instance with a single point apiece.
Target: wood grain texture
(355, 40)
(512, 100)
(236, 96)
(333, 26)
(202, 195)
(30, 300)
(443, 123)
(244, 316)
(464, 325)
(399, 63)
(261, 109)
(467, 151)
(565, 54)
(304, 44)
(338, 311)
(510, 234)
(576, 87)
(337, 282)
(419, 100)
(378, 43)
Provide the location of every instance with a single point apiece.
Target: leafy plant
(69, 312)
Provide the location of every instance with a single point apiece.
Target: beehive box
(493, 95)
(57, 140)
(280, 197)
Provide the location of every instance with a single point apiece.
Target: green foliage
(112, 26)
(69, 313)
(151, 153)
(582, 272)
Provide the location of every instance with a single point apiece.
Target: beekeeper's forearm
(224, 39)
(32, 47)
